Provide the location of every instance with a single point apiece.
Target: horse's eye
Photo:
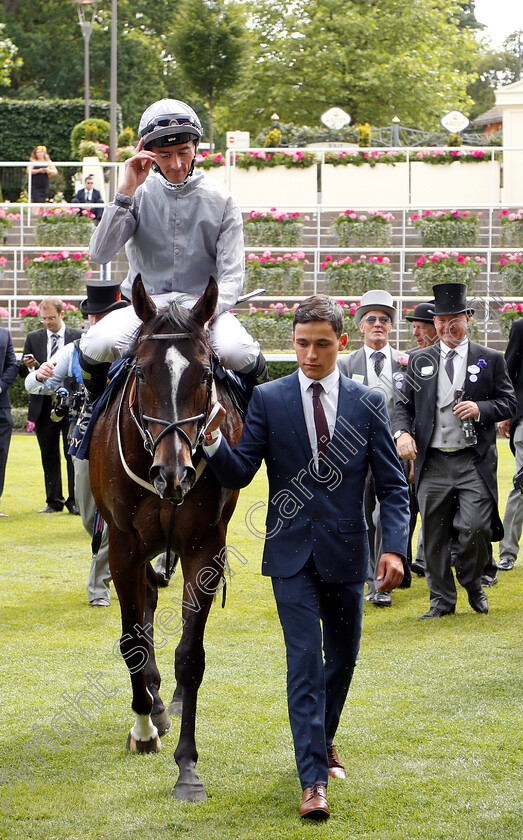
(140, 374)
(206, 377)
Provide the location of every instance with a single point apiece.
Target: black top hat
(422, 312)
(451, 299)
(102, 298)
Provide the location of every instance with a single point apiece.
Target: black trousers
(48, 434)
(6, 427)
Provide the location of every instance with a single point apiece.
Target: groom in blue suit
(319, 432)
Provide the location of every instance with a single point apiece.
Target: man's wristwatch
(400, 432)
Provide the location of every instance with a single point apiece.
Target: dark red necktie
(320, 421)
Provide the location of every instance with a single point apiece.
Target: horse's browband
(166, 335)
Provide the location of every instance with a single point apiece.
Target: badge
(358, 377)
(428, 370)
(475, 370)
(473, 377)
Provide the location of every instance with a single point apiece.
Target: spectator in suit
(513, 429)
(64, 368)
(376, 364)
(8, 371)
(39, 346)
(425, 335)
(318, 433)
(89, 195)
(446, 412)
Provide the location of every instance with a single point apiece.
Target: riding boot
(94, 376)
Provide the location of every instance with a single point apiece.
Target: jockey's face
(175, 161)
(316, 345)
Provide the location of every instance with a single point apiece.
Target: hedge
(26, 124)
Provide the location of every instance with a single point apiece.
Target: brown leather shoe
(336, 768)
(314, 803)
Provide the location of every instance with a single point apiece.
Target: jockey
(178, 226)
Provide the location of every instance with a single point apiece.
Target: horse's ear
(205, 307)
(143, 304)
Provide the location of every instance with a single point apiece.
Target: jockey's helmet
(169, 122)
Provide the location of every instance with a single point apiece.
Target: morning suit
(355, 366)
(8, 371)
(47, 431)
(513, 519)
(457, 490)
(316, 548)
(96, 198)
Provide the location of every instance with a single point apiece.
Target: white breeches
(112, 337)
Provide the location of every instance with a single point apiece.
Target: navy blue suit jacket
(323, 515)
(8, 366)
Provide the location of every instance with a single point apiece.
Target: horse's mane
(178, 319)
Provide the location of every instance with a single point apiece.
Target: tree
(208, 45)
(374, 59)
(8, 59)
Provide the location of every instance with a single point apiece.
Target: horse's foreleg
(201, 579)
(129, 576)
(159, 715)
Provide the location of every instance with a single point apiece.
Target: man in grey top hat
(445, 419)
(375, 364)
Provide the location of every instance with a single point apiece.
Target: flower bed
(6, 222)
(273, 229)
(280, 275)
(30, 316)
(511, 228)
(354, 230)
(446, 267)
(507, 314)
(57, 273)
(262, 160)
(205, 160)
(447, 228)
(272, 326)
(357, 158)
(64, 226)
(510, 267)
(349, 276)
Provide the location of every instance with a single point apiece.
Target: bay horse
(141, 471)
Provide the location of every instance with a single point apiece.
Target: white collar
(328, 382)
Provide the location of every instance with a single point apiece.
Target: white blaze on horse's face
(177, 365)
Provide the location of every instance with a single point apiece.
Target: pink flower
(3, 312)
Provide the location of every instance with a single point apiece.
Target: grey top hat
(376, 299)
(451, 299)
(422, 312)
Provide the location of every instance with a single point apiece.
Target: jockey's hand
(45, 371)
(216, 417)
(136, 170)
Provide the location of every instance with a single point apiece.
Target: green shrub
(85, 130)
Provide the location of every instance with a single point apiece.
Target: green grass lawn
(431, 733)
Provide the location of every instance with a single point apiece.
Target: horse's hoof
(143, 747)
(162, 721)
(175, 708)
(189, 791)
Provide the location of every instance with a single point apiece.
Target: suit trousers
(513, 519)
(48, 434)
(6, 427)
(456, 504)
(317, 684)
(99, 574)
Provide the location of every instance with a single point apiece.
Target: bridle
(141, 420)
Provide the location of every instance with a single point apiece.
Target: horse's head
(173, 383)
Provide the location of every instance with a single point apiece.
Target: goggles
(170, 120)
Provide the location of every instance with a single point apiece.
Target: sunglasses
(383, 319)
(163, 122)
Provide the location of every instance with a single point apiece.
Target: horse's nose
(170, 482)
